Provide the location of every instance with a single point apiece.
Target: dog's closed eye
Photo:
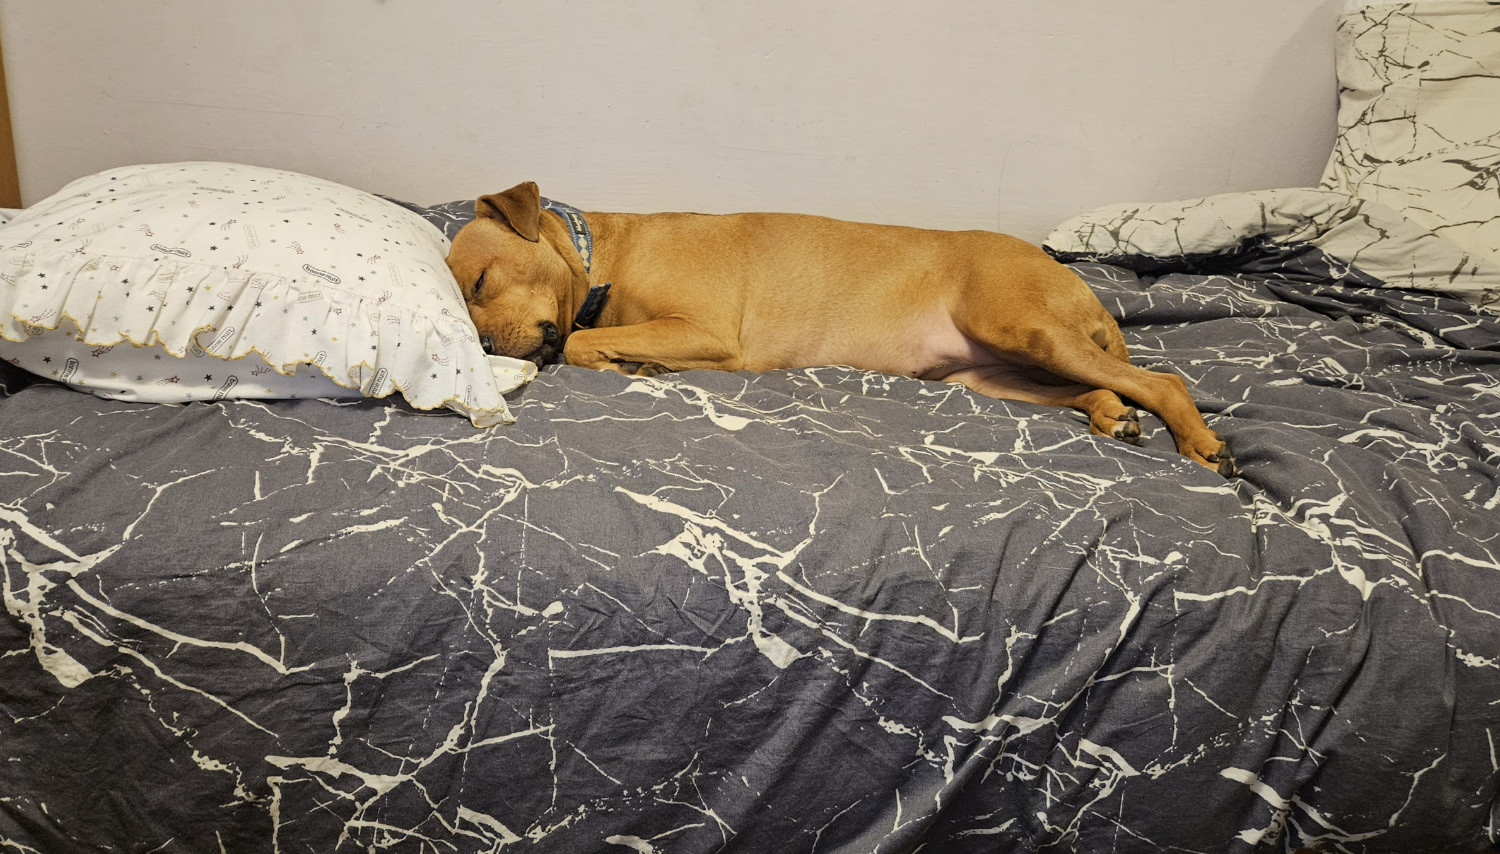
(477, 285)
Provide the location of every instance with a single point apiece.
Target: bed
(330, 608)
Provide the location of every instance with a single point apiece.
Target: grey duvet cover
(820, 610)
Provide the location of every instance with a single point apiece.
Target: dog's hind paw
(1223, 462)
(1124, 425)
(1128, 430)
(1217, 458)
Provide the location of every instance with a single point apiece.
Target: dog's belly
(929, 347)
(934, 349)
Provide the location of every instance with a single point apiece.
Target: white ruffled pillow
(1419, 115)
(240, 281)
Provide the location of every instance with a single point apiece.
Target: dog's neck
(590, 302)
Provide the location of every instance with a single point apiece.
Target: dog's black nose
(550, 336)
(551, 346)
(488, 344)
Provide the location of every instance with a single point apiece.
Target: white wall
(1003, 114)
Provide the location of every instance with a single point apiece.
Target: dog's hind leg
(1065, 332)
(1074, 356)
(1108, 415)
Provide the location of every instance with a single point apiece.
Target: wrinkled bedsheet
(819, 610)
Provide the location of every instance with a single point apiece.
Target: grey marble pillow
(1419, 115)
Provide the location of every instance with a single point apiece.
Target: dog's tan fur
(764, 291)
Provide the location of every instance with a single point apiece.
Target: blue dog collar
(593, 304)
(583, 241)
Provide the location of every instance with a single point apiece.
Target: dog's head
(518, 285)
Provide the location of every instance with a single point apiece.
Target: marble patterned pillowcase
(193, 281)
(1419, 115)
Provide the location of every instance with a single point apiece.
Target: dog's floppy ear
(520, 207)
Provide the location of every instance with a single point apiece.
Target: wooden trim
(10, 179)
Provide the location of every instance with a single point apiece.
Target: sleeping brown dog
(762, 291)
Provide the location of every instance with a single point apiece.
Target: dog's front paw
(641, 369)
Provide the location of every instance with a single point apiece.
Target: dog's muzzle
(548, 351)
